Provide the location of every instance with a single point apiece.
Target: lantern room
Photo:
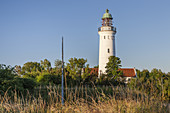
(107, 19)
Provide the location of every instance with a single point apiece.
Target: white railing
(107, 28)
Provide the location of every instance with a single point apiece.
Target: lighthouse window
(104, 37)
(108, 50)
(108, 37)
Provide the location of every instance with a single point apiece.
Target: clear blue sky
(31, 30)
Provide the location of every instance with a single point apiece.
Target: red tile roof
(128, 72)
(94, 71)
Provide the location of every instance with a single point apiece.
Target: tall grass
(82, 99)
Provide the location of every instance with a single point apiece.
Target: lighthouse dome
(107, 15)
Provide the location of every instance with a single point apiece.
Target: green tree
(74, 68)
(154, 83)
(112, 67)
(58, 66)
(18, 69)
(31, 70)
(30, 67)
(46, 65)
(6, 72)
(9, 79)
(85, 74)
(166, 86)
(46, 78)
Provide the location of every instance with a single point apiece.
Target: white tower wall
(106, 46)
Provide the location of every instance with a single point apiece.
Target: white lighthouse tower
(107, 41)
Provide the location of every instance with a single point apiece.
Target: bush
(48, 78)
(10, 81)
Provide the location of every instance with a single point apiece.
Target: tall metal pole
(62, 82)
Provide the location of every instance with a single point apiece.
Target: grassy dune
(82, 99)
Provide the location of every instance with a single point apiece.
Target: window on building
(108, 50)
(104, 37)
(108, 37)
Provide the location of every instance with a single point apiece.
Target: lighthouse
(107, 42)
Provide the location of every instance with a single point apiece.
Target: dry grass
(83, 100)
